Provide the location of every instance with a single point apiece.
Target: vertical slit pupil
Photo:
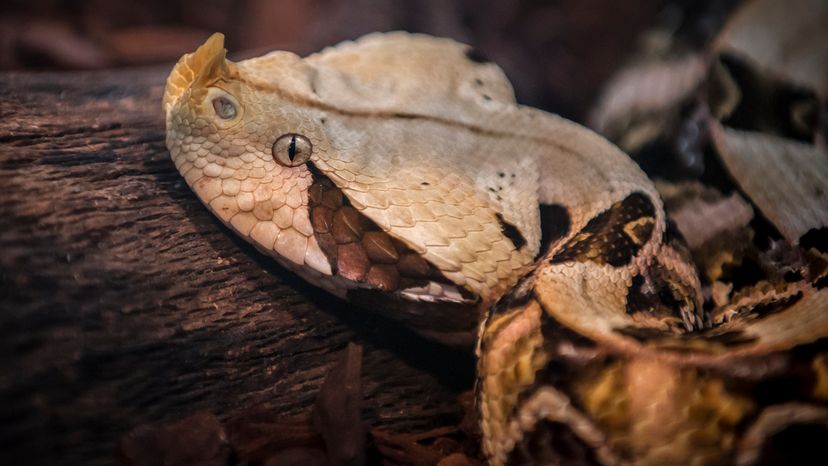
(292, 148)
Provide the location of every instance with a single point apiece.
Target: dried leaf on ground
(196, 440)
(785, 179)
(642, 102)
(338, 412)
(786, 38)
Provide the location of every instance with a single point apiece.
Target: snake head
(244, 150)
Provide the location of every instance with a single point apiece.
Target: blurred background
(557, 53)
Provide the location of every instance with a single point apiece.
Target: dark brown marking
(322, 219)
(655, 295)
(383, 276)
(676, 341)
(517, 296)
(639, 299)
(552, 442)
(555, 224)
(352, 262)
(763, 310)
(658, 292)
(510, 231)
(347, 226)
(731, 338)
(358, 249)
(554, 332)
(816, 238)
(328, 247)
(315, 193)
(379, 248)
(645, 334)
(613, 237)
(332, 198)
(674, 239)
(412, 265)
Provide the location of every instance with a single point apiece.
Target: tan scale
(398, 173)
(423, 142)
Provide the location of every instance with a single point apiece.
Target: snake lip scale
(399, 173)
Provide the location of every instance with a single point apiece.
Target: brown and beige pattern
(398, 172)
(419, 141)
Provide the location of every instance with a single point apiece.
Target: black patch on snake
(727, 338)
(731, 338)
(555, 332)
(816, 238)
(671, 340)
(517, 296)
(644, 334)
(614, 236)
(551, 442)
(652, 296)
(674, 239)
(765, 309)
(510, 231)
(554, 223)
(660, 293)
(637, 299)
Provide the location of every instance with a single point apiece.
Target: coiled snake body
(398, 172)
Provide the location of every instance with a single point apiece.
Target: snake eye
(292, 150)
(224, 108)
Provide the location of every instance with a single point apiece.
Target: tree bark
(124, 302)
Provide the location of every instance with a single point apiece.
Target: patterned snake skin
(397, 172)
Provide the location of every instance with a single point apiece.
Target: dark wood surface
(123, 302)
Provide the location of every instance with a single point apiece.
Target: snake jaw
(220, 134)
(223, 124)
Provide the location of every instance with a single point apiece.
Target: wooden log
(124, 302)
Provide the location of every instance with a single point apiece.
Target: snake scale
(398, 172)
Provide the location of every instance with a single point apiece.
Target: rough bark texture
(122, 301)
